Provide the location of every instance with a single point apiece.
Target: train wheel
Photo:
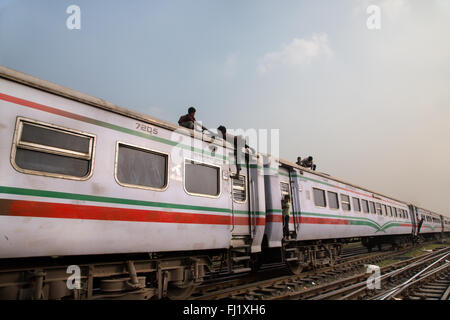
(295, 267)
(179, 293)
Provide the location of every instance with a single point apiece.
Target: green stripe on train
(91, 198)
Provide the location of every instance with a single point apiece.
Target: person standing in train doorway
(286, 209)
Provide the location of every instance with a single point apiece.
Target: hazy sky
(372, 106)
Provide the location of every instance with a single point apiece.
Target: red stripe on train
(70, 211)
(308, 220)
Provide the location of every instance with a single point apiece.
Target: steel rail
(415, 262)
(351, 286)
(343, 266)
(400, 288)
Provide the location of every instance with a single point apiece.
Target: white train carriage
(446, 224)
(328, 210)
(432, 222)
(81, 176)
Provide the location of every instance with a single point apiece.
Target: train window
(319, 197)
(345, 202)
(201, 179)
(141, 168)
(378, 206)
(356, 204)
(365, 206)
(239, 191)
(389, 211)
(333, 200)
(49, 150)
(285, 189)
(372, 207)
(384, 210)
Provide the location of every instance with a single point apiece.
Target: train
(88, 183)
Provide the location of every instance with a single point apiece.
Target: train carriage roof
(59, 90)
(326, 176)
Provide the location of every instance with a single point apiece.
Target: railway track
(395, 280)
(268, 271)
(256, 286)
(430, 283)
(436, 289)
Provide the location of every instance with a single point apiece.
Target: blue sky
(372, 106)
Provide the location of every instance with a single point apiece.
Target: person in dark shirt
(286, 209)
(308, 163)
(223, 131)
(420, 225)
(188, 120)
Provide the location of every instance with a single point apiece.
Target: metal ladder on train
(239, 258)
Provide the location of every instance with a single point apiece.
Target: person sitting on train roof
(188, 120)
(223, 131)
(308, 163)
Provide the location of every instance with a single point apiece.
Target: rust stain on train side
(5, 207)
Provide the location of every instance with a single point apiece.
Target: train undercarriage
(160, 276)
(102, 277)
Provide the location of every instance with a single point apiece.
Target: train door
(291, 188)
(240, 205)
(413, 216)
(295, 201)
(285, 189)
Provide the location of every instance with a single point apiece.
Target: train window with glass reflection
(365, 206)
(389, 211)
(142, 168)
(239, 191)
(45, 149)
(372, 207)
(345, 200)
(333, 201)
(319, 198)
(378, 208)
(356, 205)
(201, 179)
